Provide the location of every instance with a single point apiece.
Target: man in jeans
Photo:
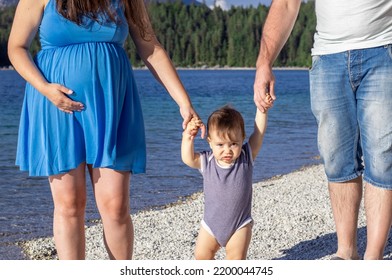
(351, 99)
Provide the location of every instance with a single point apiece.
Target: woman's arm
(160, 65)
(27, 19)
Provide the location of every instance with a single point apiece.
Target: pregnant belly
(85, 68)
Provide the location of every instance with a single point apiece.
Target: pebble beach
(292, 214)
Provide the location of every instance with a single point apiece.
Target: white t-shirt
(352, 24)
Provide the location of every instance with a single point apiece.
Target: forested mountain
(4, 3)
(195, 35)
(6, 17)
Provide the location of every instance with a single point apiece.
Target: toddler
(227, 180)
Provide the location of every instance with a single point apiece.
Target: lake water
(290, 143)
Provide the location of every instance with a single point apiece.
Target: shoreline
(8, 68)
(293, 221)
(232, 68)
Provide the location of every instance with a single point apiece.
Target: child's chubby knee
(237, 256)
(205, 252)
(203, 255)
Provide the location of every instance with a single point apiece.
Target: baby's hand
(268, 98)
(193, 126)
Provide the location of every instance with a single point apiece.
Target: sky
(242, 2)
(249, 2)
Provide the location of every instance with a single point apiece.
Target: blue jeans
(351, 99)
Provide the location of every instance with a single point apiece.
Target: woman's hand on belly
(58, 95)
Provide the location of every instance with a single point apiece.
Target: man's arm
(277, 28)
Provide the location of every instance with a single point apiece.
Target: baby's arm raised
(257, 137)
(188, 155)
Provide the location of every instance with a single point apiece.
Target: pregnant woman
(82, 111)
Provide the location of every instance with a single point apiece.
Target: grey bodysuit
(227, 194)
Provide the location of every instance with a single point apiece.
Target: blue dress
(90, 60)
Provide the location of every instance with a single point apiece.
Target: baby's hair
(226, 121)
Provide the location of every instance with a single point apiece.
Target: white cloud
(221, 3)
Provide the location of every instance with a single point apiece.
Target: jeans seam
(349, 68)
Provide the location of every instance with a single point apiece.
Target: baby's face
(226, 150)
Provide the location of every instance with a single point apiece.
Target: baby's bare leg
(237, 247)
(206, 246)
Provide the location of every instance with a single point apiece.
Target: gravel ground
(293, 221)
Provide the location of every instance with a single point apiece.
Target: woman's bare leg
(69, 197)
(111, 190)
